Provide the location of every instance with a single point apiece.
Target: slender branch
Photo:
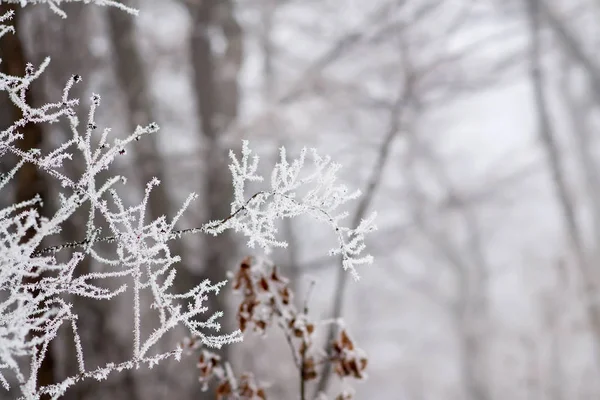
(536, 9)
(288, 338)
(302, 375)
(305, 346)
(111, 239)
(403, 97)
(570, 44)
(203, 229)
(106, 369)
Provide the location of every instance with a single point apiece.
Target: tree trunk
(132, 77)
(216, 90)
(549, 141)
(29, 179)
(569, 43)
(68, 47)
(578, 110)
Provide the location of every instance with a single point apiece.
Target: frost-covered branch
(293, 193)
(33, 287)
(56, 4)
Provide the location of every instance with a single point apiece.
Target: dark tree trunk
(215, 81)
(29, 180)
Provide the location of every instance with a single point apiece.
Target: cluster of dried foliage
(267, 301)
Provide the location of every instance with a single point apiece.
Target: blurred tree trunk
(569, 43)
(473, 306)
(402, 101)
(269, 95)
(551, 319)
(530, 347)
(68, 46)
(471, 309)
(7, 162)
(579, 110)
(469, 266)
(215, 81)
(51, 37)
(29, 180)
(535, 10)
(405, 99)
(132, 77)
(257, 357)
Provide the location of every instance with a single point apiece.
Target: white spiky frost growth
(292, 193)
(36, 288)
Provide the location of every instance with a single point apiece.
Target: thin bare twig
(536, 9)
(372, 185)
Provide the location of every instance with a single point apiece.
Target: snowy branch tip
(293, 192)
(55, 5)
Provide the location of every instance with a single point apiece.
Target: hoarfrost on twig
(292, 193)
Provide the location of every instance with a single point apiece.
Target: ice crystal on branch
(293, 193)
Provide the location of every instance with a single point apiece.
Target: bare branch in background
(579, 112)
(535, 12)
(401, 102)
(570, 44)
(472, 309)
